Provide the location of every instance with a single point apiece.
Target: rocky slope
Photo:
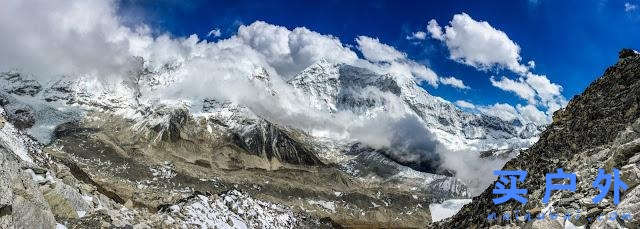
(600, 128)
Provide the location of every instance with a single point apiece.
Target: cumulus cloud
(519, 87)
(417, 36)
(478, 44)
(214, 33)
(531, 64)
(63, 37)
(549, 94)
(531, 114)
(525, 114)
(435, 30)
(419, 71)
(289, 52)
(394, 61)
(536, 89)
(465, 104)
(375, 51)
(454, 82)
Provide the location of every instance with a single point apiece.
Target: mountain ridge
(597, 129)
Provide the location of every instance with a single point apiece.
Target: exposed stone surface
(21, 202)
(597, 129)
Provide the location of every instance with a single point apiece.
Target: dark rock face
(268, 140)
(20, 85)
(351, 76)
(590, 120)
(17, 84)
(624, 53)
(263, 139)
(21, 118)
(177, 119)
(354, 80)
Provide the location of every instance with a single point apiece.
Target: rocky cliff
(599, 128)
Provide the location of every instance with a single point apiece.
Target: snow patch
(231, 210)
(325, 204)
(446, 209)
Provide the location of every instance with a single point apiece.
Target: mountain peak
(625, 52)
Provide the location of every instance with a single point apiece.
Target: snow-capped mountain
(339, 87)
(330, 139)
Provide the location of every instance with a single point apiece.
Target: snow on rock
(446, 209)
(325, 204)
(11, 139)
(231, 210)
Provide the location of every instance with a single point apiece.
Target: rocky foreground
(600, 128)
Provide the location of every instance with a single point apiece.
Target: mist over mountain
(109, 122)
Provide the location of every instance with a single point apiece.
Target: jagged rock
(597, 129)
(268, 140)
(21, 118)
(65, 202)
(21, 202)
(630, 174)
(624, 53)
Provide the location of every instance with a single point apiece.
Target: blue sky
(571, 42)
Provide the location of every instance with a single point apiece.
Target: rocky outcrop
(22, 204)
(268, 140)
(597, 129)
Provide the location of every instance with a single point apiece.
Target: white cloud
(215, 33)
(536, 89)
(520, 87)
(50, 38)
(387, 59)
(465, 104)
(628, 7)
(291, 51)
(531, 114)
(478, 44)
(422, 73)
(531, 64)
(417, 36)
(543, 86)
(452, 81)
(435, 30)
(503, 111)
(526, 114)
(375, 51)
